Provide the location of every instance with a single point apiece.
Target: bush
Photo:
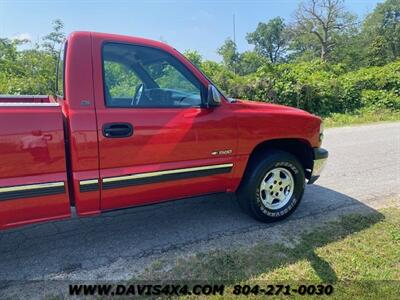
(380, 99)
(315, 86)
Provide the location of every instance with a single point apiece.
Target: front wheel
(272, 187)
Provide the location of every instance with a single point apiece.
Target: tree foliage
(324, 62)
(194, 56)
(250, 61)
(315, 86)
(270, 39)
(30, 71)
(230, 55)
(381, 33)
(52, 42)
(320, 21)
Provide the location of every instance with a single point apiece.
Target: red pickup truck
(136, 123)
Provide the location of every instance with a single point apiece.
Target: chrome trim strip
(87, 182)
(27, 104)
(29, 187)
(166, 172)
(23, 96)
(89, 185)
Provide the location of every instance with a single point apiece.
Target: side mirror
(213, 97)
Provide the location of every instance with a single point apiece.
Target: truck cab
(136, 123)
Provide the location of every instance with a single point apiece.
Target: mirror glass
(214, 98)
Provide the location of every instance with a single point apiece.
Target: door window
(138, 76)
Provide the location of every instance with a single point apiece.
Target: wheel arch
(299, 148)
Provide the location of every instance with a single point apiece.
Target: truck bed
(26, 99)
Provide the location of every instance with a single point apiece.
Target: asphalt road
(362, 173)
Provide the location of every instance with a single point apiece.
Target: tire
(272, 187)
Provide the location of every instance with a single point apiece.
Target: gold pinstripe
(87, 182)
(166, 172)
(111, 179)
(31, 187)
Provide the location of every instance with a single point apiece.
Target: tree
(30, 71)
(194, 56)
(8, 55)
(52, 44)
(54, 40)
(322, 20)
(230, 55)
(270, 39)
(250, 61)
(349, 50)
(381, 31)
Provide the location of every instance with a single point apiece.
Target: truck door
(156, 140)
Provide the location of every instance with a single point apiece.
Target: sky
(198, 25)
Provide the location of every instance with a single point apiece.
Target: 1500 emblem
(222, 152)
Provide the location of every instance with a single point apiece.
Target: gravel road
(362, 173)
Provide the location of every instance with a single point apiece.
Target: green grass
(361, 117)
(359, 255)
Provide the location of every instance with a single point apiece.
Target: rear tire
(272, 187)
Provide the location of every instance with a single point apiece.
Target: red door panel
(159, 135)
(33, 180)
(170, 139)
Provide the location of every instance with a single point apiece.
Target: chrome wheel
(276, 188)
